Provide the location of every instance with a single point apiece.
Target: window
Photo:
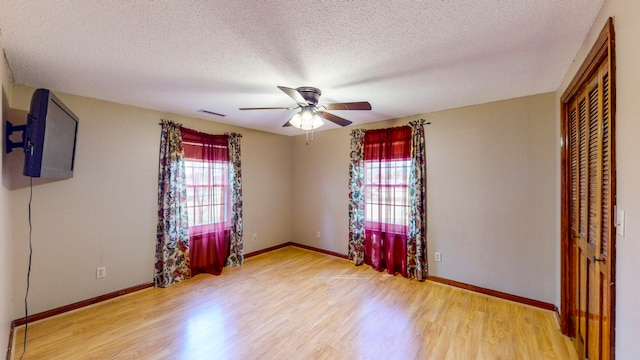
(386, 191)
(386, 179)
(207, 192)
(207, 182)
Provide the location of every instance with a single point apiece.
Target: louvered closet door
(590, 214)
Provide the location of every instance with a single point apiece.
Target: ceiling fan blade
(295, 95)
(361, 105)
(333, 118)
(270, 108)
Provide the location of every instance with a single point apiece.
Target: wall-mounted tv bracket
(10, 145)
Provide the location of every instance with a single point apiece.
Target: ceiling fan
(308, 118)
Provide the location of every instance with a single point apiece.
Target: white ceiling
(404, 57)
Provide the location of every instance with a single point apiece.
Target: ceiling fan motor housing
(310, 94)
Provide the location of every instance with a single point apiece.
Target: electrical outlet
(255, 237)
(318, 235)
(101, 272)
(438, 257)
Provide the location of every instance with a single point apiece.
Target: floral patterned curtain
(416, 232)
(236, 256)
(172, 246)
(356, 198)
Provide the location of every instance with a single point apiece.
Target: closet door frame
(602, 51)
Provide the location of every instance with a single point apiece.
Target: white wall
(106, 214)
(491, 194)
(6, 260)
(320, 180)
(627, 123)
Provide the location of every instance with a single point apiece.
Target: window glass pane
(374, 213)
(190, 196)
(202, 195)
(218, 195)
(400, 196)
(197, 218)
(206, 215)
(374, 195)
(190, 215)
(400, 214)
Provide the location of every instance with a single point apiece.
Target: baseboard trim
(302, 246)
(269, 249)
(495, 293)
(326, 252)
(81, 304)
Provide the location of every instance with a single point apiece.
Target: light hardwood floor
(297, 304)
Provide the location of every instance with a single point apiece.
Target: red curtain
(208, 200)
(387, 154)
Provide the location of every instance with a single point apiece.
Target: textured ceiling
(404, 57)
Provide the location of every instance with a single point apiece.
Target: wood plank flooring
(297, 304)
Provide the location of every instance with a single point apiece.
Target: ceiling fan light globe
(315, 123)
(307, 116)
(296, 121)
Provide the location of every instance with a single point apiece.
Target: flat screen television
(49, 138)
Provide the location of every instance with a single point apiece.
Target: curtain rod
(182, 127)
